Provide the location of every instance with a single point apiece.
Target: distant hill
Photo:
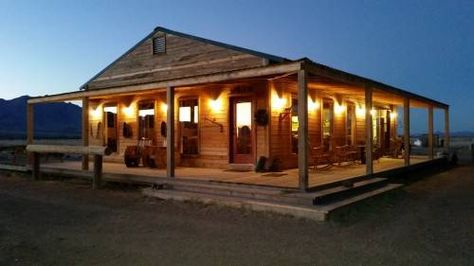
(51, 120)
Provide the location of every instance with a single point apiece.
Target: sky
(426, 47)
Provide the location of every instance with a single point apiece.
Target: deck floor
(287, 178)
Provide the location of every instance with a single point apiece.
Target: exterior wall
(360, 133)
(213, 144)
(184, 57)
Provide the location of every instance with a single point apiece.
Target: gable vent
(159, 45)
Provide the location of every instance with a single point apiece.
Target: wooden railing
(97, 151)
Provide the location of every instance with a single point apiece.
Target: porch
(286, 179)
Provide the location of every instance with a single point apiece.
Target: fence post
(97, 179)
(36, 165)
(472, 152)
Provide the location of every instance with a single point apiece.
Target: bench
(97, 151)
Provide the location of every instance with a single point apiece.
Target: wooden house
(206, 104)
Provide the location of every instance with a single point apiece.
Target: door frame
(233, 158)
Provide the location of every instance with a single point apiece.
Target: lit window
(185, 114)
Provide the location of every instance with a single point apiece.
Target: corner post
(29, 123)
(302, 130)
(406, 130)
(170, 159)
(30, 135)
(446, 131)
(430, 133)
(85, 131)
(369, 163)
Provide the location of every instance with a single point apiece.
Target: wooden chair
(155, 156)
(320, 158)
(343, 154)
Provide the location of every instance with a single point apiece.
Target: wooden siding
(183, 58)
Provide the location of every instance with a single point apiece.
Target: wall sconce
(164, 108)
(215, 104)
(313, 105)
(339, 108)
(373, 112)
(128, 111)
(96, 113)
(278, 103)
(360, 111)
(393, 115)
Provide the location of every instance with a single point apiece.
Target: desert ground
(63, 222)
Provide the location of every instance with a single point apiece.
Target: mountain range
(52, 120)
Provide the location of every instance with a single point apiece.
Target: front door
(242, 128)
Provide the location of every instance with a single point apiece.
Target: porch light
(313, 105)
(96, 113)
(373, 112)
(128, 111)
(215, 104)
(339, 108)
(277, 102)
(393, 115)
(360, 111)
(164, 108)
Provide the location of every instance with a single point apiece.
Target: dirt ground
(429, 222)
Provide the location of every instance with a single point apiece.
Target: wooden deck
(286, 179)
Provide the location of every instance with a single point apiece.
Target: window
(159, 45)
(327, 121)
(294, 125)
(146, 120)
(188, 125)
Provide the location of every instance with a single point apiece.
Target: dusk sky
(426, 47)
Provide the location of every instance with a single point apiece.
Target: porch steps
(313, 205)
(240, 202)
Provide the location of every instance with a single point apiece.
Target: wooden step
(249, 192)
(307, 212)
(330, 207)
(340, 192)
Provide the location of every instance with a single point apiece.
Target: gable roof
(271, 58)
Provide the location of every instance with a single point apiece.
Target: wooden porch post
(430, 133)
(446, 130)
(30, 158)
(368, 129)
(85, 131)
(406, 130)
(29, 124)
(302, 130)
(170, 160)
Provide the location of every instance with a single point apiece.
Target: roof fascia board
(323, 70)
(190, 81)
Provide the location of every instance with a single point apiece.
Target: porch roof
(342, 80)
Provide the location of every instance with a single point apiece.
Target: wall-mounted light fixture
(278, 103)
(339, 108)
(393, 115)
(360, 110)
(215, 104)
(164, 107)
(128, 111)
(313, 105)
(373, 112)
(96, 113)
